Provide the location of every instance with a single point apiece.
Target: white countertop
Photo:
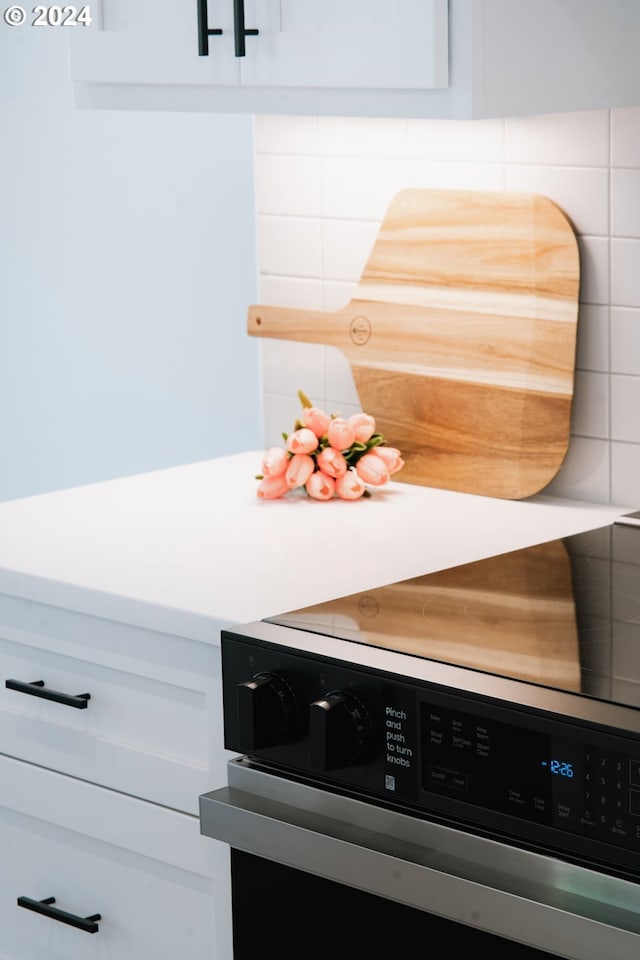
(191, 549)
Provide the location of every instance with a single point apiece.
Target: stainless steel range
(462, 747)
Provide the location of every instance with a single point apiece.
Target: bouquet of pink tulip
(328, 456)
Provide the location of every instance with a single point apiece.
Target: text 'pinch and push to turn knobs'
(267, 712)
(340, 731)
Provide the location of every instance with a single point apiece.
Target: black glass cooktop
(562, 614)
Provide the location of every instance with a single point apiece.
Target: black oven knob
(267, 712)
(340, 732)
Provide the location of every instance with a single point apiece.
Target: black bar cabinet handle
(239, 31)
(88, 924)
(203, 29)
(37, 689)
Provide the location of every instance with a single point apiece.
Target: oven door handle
(568, 911)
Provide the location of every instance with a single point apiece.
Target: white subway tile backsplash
(625, 275)
(625, 203)
(625, 137)
(571, 139)
(323, 185)
(594, 269)
(362, 137)
(582, 193)
(625, 341)
(584, 473)
(357, 188)
(483, 140)
(280, 413)
(289, 246)
(288, 185)
(455, 175)
(339, 384)
(625, 472)
(590, 410)
(290, 366)
(282, 135)
(341, 408)
(592, 350)
(337, 294)
(291, 292)
(346, 246)
(625, 408)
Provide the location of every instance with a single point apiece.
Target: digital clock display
(564, 768)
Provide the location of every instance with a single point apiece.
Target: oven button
(267, 712)
(340, 732)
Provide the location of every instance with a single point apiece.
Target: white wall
(127, 261)
(322, 188)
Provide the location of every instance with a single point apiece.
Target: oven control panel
(497, 767)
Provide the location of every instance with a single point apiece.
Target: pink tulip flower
(363, 426)
(316, 419)
(372, 469)
(320, 486)
(332, 462)
(302, 441)
(274, 462)
(270, 488)
(350, 486)
(340, 434)
(300, 468)
(392, 458)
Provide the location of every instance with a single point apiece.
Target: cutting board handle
(305, 326)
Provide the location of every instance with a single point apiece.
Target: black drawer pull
(239, 32)
(37, 689)
(204, 32)
(88, 924)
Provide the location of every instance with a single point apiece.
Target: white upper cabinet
(264, 43)
(361, 44)
(412, 58)
(155, 42)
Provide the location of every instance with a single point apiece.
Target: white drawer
(161, 889)
(152, 727)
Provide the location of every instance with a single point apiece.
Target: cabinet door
(300, 43)
(153, 42)
(152, 726)
(347, 44)
(161, 890)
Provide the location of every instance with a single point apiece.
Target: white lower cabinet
(152, 726)
(99, 794)
(161, 890)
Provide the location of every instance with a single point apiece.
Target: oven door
(317, 874)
